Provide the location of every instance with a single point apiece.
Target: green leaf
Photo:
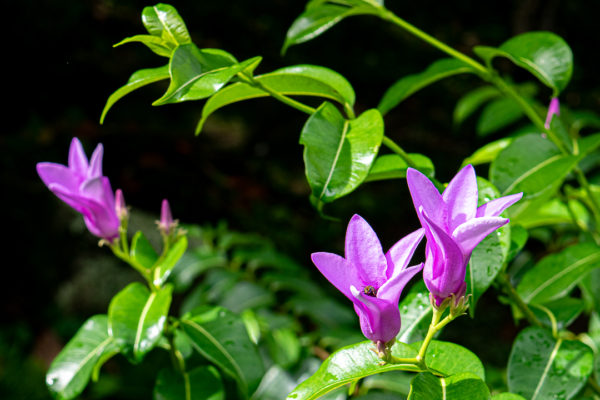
(70, 371)
(470, 102)
(136, 318)
(392, 166)
(284, 347)
(349, 364)
(498, 114)
(245, 296)
(490, 255)
(296, 80)
(415, 309)
(450, 358)
(154, 43)
(541, 212)
(542, 367)
(338, 153)
(142, 251)
(556, 275)
(410, 84)
(202, 383)
(546, 55)
(199, 73)
(139, 78)
(589, 144)
(165, 265)
(163, 21)
(462, 386)
(518, 238)
(530, 164)
(564, 311)
(488, 152)
(320, 15)
(221, 337)
(508, 396)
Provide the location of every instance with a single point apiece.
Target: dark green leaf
(276, 383)
(165, 265)
(462, 386)
(70, 371)
(142, 251)
(202, 383)
(136, 318)
(556, 275)
(347, 365)
(488, 152)
(163, 21)
(498, 114)
(338, 153)
(518, 238)
(139, 78)
(415, 310)
(561, 312)
(589, 144)
(296, 80)
(470, 102)
(542, 367)
(392, 166)
(450, 358)
(544, 54)
(410, 84)
(247, 295)
(284, 347)
(221, 337)
(154, 43)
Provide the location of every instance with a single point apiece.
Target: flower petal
(461, 197)
(337, 270)
(78, 161)
(52, 173)
(392, 289)
(379, 319)
(95, 169)
(364, 252)
(495, 207)
(426, 195)
(399, 255)
(469, 234)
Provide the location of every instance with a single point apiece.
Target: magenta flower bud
(553, 108)
(82, 186)
(166, 222)
(120, 206)
(371, 280)
(454, 226)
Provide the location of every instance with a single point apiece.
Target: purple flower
(454, 226)
(553, 108)
(82, 186)
(166, 223)
(371, 280)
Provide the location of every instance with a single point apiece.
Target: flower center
(370, 291)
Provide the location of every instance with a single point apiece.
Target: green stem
(433, 329)
(594, 385)
(283, 98)
(390, 16)
(140, 268)
(390, 144)
(595, 207)
(510, 291)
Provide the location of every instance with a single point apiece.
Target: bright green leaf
(338, 153)
(462, 386)
(589, 144)
(544, 54)
(541, 367)
(142, 251)
(498, 114)
(139, 78)
(202, 383)
(136, 318)
(508, 396)
(488, 152)
(392, 166)
(415, 310)
(165, 265)
(154, 43)
(70, 371)
(221, 337)
(284, 347)
(163, 21)
(470, 102)
(410, 84)
(556, 275)
(450, 358)
(542, 212)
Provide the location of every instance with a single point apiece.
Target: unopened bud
(120, 206)
(553, 108)
(166, 223)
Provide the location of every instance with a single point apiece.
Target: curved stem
(390, 144)
(583, 182)
(510, 291)
(433, 329)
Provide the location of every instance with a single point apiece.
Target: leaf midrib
(336, 158)
(141, 321)
(547, 368)
(530, 172)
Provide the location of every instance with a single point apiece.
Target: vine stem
(510, 291)
(390, 144)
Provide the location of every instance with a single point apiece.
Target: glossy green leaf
(142, 251)
(490, 254)
(165, 265)
(530, 164)
(320, 15)
(546, 55)
(518, 238)
(347, 365)
(139, 79)
(392, 166)
(221, 337)
(136, 318)
(556, 275)
(508, 396)
(198, 73)
(498, 114)
(450, 358)
(163, 21)
(462, 386)
(415, 310)
(202, 383)
(71, 370)
(561, 312)
(296, 80)
(533, 214)
(541, 367)
(154, 43)
(338, 153)
(472, 101)
(488, 152)
(410, 84)
(276, 383)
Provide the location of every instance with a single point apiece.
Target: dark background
(245, 168)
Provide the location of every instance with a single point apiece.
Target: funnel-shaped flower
(553, 108)
(166, 223)
(82, 186)
(454, 226)
(371, 280)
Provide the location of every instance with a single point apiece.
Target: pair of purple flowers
(82, 186)
(453, 226)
